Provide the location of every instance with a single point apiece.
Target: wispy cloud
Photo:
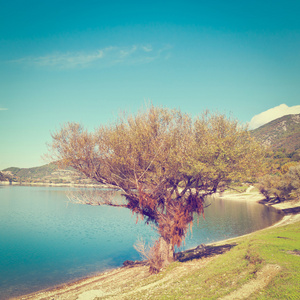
(128, 52)
(63, 60)
(147, 48)
(3, 108)
(272, 114)
(135, 54)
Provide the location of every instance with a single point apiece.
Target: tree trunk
(162, 255)
(166, 252)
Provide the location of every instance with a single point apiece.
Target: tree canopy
(164, 163)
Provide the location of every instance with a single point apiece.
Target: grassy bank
(262, 265)
(231, 271)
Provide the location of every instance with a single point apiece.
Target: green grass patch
(233, 269)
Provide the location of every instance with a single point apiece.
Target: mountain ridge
(49, 174)
(281, 133)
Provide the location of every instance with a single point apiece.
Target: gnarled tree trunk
(166, 251)
(162, 255)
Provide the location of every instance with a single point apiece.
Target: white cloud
(3, 108)
(102, 57)
(272, 114)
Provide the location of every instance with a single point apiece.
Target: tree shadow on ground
(271, 201)
(287, 211)
(293, 210)
(203, 251)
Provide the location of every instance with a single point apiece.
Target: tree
(5, 177)
(294, 178)
(164, 163)
(281, 187)
(267, 186)
(2, 177)
(285, 168)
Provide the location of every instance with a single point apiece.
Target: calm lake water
(46, 240)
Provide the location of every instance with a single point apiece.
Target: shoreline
(82, 289)
(45, 184)
(282, 207)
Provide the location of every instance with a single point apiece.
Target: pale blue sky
(86, 61)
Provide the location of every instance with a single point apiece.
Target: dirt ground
(115, 284)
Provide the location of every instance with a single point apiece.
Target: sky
(87, 61)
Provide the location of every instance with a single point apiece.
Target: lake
(46, 240)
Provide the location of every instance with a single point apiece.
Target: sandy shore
(104, 285)
(250, 195)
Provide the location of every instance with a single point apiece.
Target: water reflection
(226, 219)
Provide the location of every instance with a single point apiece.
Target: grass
(228, 272)
(280, 246)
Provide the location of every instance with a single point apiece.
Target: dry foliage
(163, 162)
(153, 255)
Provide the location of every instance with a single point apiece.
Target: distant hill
(49, 173)
(282, 133)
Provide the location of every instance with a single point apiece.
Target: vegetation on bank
(282, 139)
(282, 181)
(281, 187)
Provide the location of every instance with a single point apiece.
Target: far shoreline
(46, 184)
